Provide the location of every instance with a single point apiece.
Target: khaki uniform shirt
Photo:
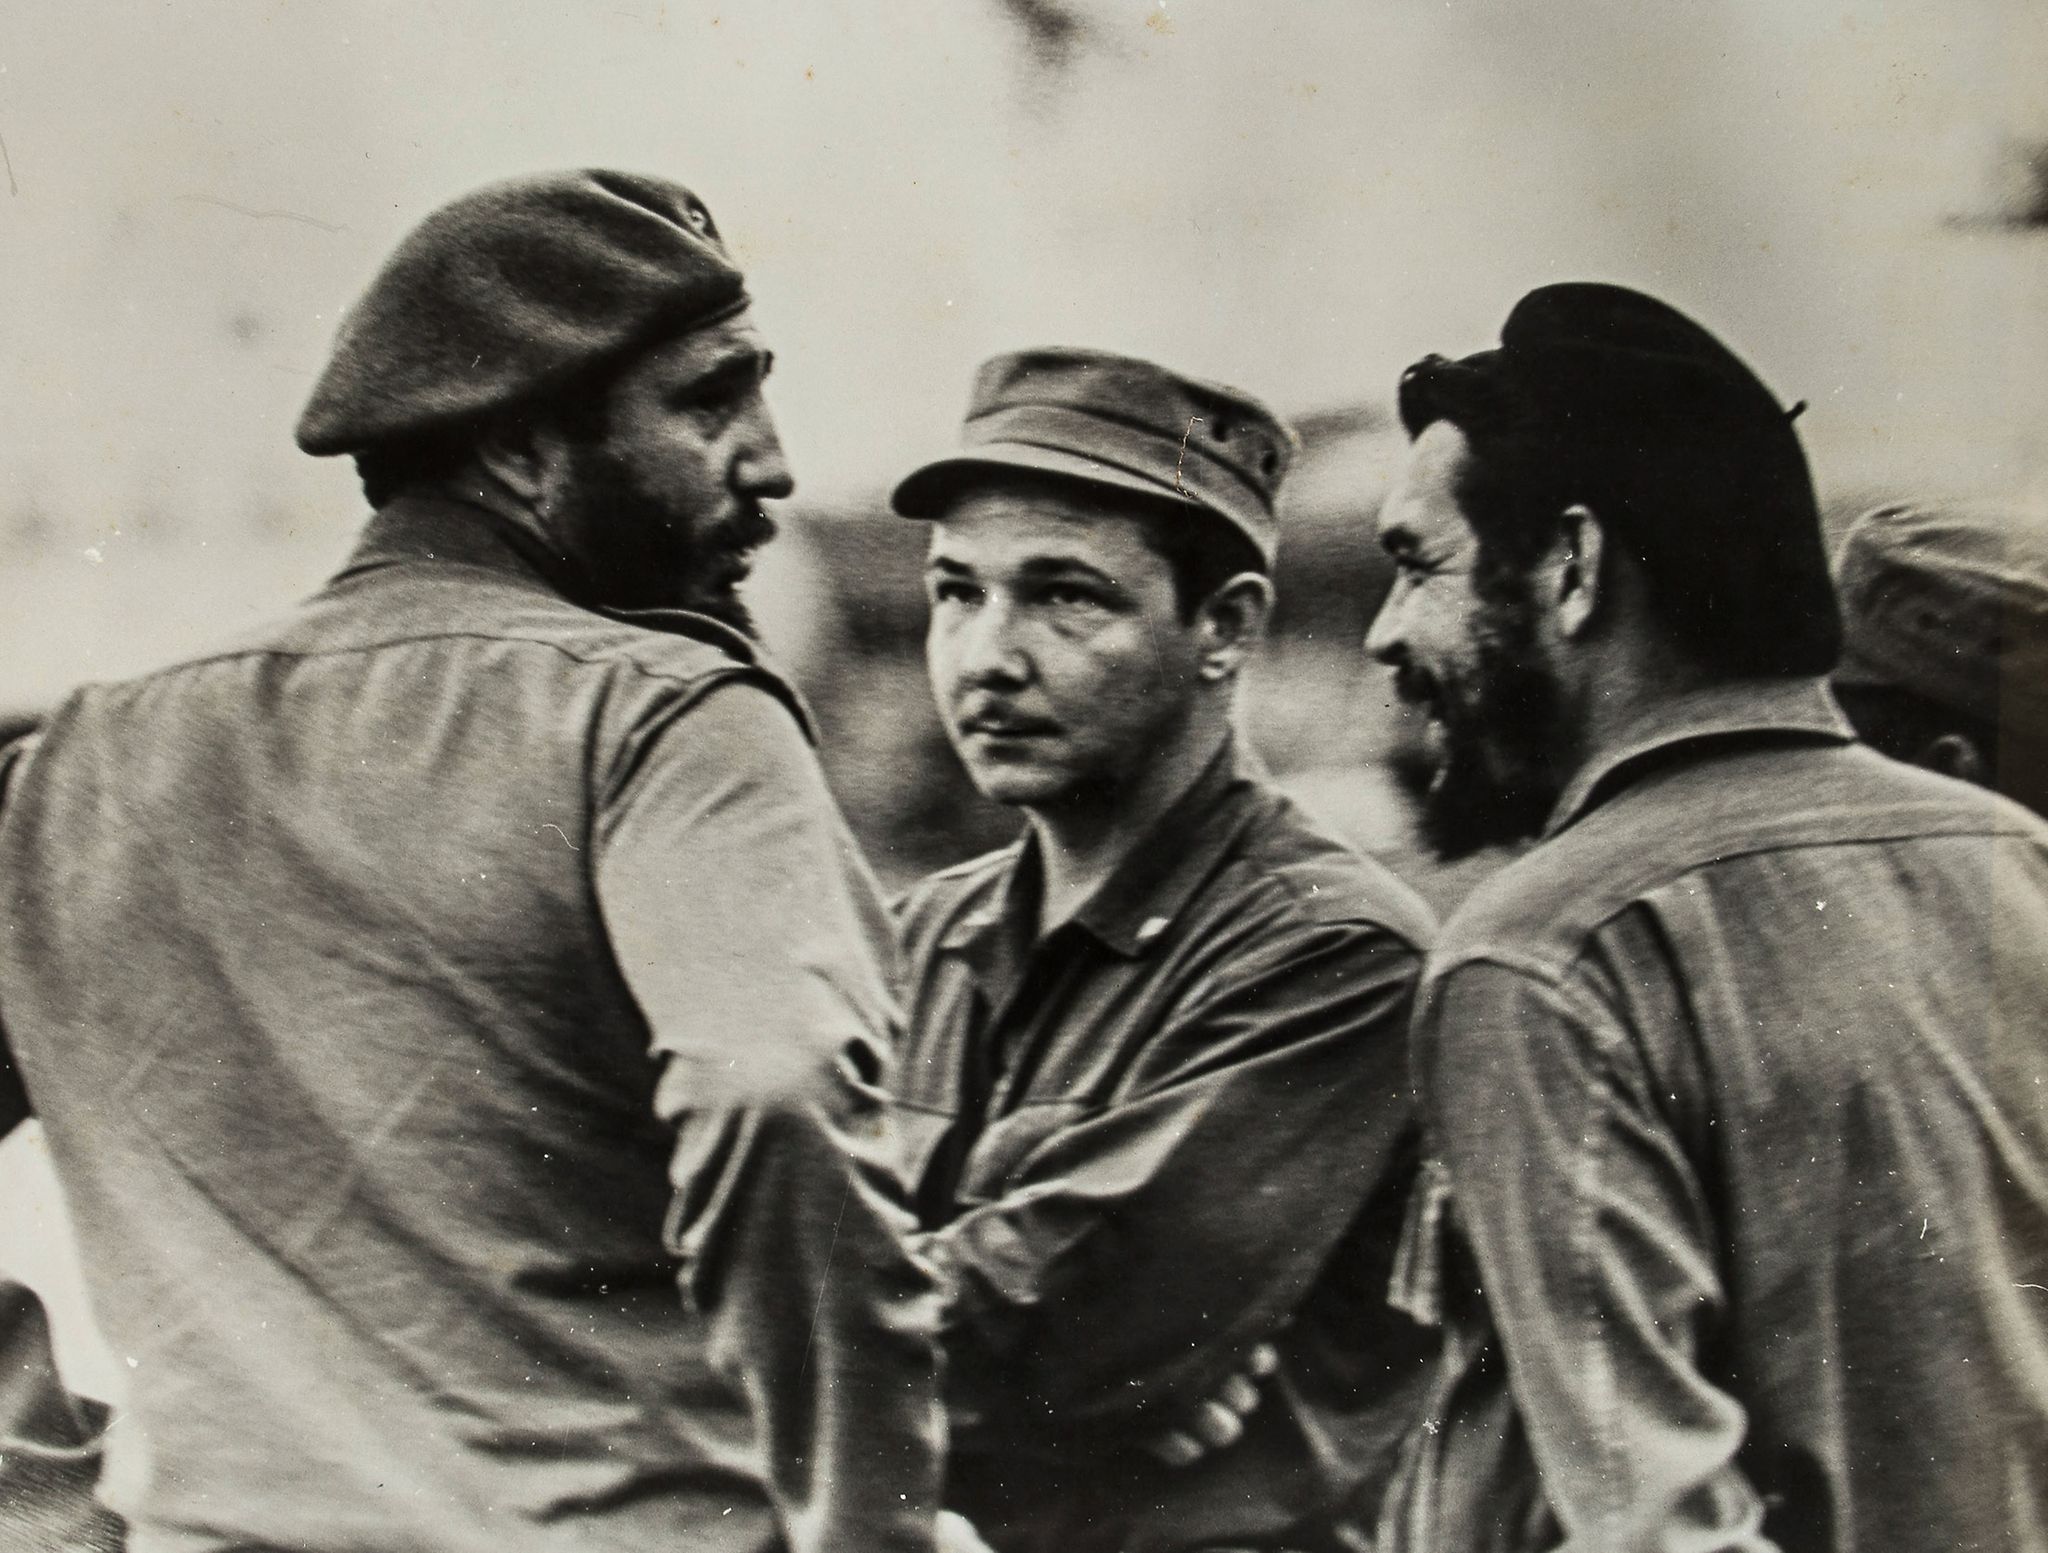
(1739, 1084)
(455, 1017)
(1176, 1126)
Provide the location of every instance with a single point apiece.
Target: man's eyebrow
(1041, 567)
(743, 362)
(946, 564)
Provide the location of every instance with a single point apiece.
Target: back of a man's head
(1945, 648)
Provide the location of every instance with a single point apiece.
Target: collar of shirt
(412, 530)
(1798, 710)
(1133, 908)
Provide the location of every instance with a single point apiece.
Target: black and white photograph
(1024, 776)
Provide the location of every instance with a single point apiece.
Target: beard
(1491, 782)
(652, 555)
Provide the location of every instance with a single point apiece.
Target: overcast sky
(1299, 197)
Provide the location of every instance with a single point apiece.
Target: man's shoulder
(1683, 827)
(1309, 878)
(405, 608)
(683, 651)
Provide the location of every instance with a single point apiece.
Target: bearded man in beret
(1737, 1228)
(455, 1011)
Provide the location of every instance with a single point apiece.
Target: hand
(1218, 1423)
(957, 1535)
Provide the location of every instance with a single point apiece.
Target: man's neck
(1612, 700)
(1082, 842)
(476, 487)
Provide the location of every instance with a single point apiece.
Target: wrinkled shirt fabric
(1176, 1125)
(456, 1016)
(1737, 1217)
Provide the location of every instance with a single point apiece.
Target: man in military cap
(1154, 1082)
(1945, 640)
(1738, 1222)
(455, 1010)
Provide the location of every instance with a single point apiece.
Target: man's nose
(987, 650)
(763, 468)
(1385, 638)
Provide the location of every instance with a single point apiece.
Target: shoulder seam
(726, 662)
(1622, 900)
(1281, 880)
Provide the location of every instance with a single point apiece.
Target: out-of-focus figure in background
(1737, 1225)
(1154, 1085)
(455, 1011)
(1945, 640)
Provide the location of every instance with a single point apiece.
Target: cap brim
(925, 492)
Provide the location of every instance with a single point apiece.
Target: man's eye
(951, 591)
(720, 394)
(1069, 596)
(711, 399)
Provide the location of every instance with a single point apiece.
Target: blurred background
(1299, 198)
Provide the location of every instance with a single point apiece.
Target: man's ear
(1231, 622)
(1956, 755)
(1573, 574)
(526, 459)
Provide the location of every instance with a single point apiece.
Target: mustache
(1414, 685)
(748, 529)
(985, 713)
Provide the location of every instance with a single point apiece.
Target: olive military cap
(510, 291)
(1120, 423)
(1950, 602)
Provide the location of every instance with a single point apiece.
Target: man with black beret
(455, 1011)
(1153, 1085)
(1945, 640)
(1737, 1218)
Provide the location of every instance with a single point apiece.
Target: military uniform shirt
(455, 1016)
(1176, 1126)
(1739, 1082)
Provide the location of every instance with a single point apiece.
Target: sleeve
(1138, 1253)
(752, 938)
(1595, 1249)
(14, 1106)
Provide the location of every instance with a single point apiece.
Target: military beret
(1601, 364)
(1672, 436)
(1120, 423)
(1950, 602)
(511, 290)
